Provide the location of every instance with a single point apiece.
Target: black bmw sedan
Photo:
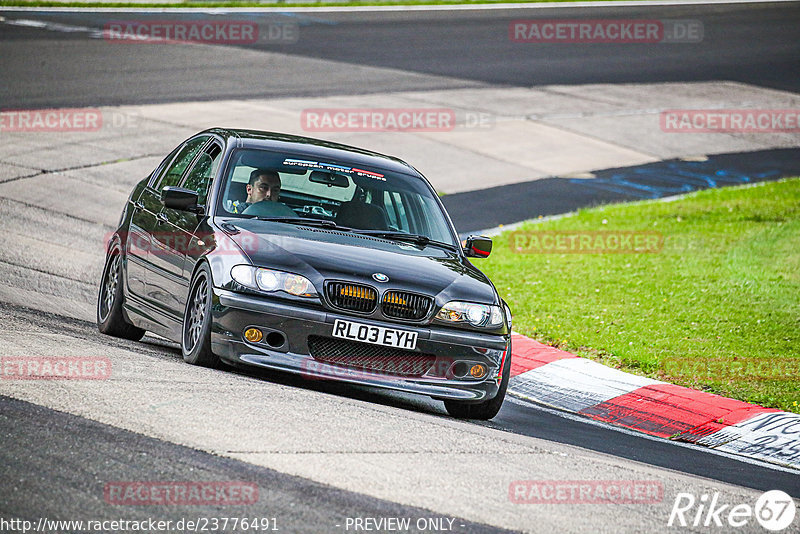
(306, 256)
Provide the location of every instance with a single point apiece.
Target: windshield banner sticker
(331, 167)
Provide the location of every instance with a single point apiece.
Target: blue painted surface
(549, 196)
(671, 178)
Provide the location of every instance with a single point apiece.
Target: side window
(393, 204)
(199, 178)
(154, 178)
(413, 214)
(391, 213)
(181, 161)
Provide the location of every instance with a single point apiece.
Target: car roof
(313, 147)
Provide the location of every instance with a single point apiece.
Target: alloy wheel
(197, 313)
(109, 287)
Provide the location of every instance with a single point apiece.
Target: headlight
(267, 280)
(245, 275)
(271, 281)
(480, 315)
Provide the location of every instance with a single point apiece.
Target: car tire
(110, 318)
(196, 328)
(487, 409)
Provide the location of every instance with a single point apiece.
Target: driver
(264, 185)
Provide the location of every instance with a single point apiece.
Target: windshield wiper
(402, 236)
(306, 221)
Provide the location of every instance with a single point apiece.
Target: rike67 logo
(774, 510)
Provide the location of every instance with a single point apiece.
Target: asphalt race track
(58, 463)
(321, 452)
(53, 441)
(747, 43)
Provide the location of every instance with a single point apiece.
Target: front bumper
(232, 313)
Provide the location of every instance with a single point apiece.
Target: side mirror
(478, 246)
(178, 198)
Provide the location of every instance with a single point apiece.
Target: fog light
(460, 370)
(253, 335)
(477, 371)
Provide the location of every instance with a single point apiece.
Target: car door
(163, 277)
(200, 179)
(137, 240)
(170, 287)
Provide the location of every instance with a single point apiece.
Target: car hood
(322, 254)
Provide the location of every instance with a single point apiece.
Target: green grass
(717, 309)
(245, 3)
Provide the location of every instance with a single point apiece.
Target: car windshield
(268, 184)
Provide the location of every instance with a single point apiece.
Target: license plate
(377, 335)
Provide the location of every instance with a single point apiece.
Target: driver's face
(265, 188)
